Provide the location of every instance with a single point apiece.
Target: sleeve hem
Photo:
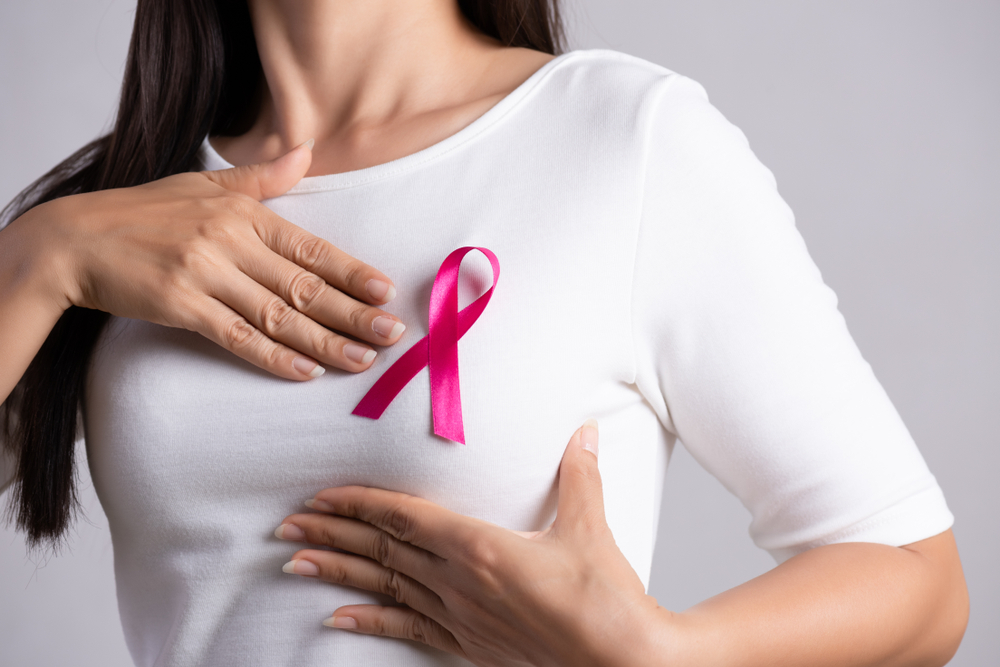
(916, 518)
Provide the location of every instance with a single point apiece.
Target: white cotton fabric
(651, 277)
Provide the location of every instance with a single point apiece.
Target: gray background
(879, 119)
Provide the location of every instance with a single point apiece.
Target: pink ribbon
(438, 350)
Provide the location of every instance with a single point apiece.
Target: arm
(193, 250)
(747, 359)
(837, 605)
(196, 251)
(31, 296)
(567, 596)
(741, 351)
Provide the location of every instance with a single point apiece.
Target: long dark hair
(192, 70)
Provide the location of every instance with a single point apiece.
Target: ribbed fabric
(651, 277)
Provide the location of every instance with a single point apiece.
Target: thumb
(581, 496)
(266, 179)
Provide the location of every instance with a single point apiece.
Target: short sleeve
(743, 354)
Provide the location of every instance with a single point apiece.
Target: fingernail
(387, 328)
(318, 505)
(307, 367)
(289, 531)
(359, 353)
(344, 622)
(380, 290)
(303, 567)
(309, 143)
(588, 436)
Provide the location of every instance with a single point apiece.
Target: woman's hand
(198, 251)
(562, 596)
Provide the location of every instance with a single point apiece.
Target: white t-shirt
(651, 277)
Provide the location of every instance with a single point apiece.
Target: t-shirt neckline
(348, 179)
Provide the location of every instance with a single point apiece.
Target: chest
(181, 430)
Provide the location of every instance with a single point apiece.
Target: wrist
(39, 257)
(652, 637)
(669, 639)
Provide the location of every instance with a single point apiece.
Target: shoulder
(602, 76)
(626, 99)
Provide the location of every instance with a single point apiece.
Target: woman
(651, 277)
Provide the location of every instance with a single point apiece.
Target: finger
(311, 295)
(282, 323)
(266, 179)
(362, 539)
(398, 622)
(319, 256)
(273, 178)
(407, 518)
(581, 496)
(224, 326)
(358, 572)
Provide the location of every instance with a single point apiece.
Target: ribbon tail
(446, 395)
(387, 387)
(442, 329)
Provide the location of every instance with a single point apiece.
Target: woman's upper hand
(199, 251)
(562, 596)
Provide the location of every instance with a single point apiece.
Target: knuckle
(223, 236)
(360, 318)
(380, 625)
(305, 289)
(174, 282)
(235, 205)
(273, 354)
(328, 535)
(355, 275)
(194, 256)
(326, 346)
(354, 506)
(238, 204)
(240, 334)
(310, 251)
(399, 522)
(415, 629)
(482, 555)
(392, 585)
(218, 231)
(484, 562)
(336, 573)
(275, 316)
(381, 548)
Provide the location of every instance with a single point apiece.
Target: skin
(196, 251)
(199, 251)
(406, 77)
(567, 595)
(371, 82)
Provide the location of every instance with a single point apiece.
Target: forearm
(841, 605)
(30, 302)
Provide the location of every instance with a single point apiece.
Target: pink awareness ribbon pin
(438, 350)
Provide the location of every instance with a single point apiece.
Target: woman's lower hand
(562, 596)
(199, 251)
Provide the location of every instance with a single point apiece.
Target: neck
(336, 66)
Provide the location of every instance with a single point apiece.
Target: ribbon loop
(438, 350)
